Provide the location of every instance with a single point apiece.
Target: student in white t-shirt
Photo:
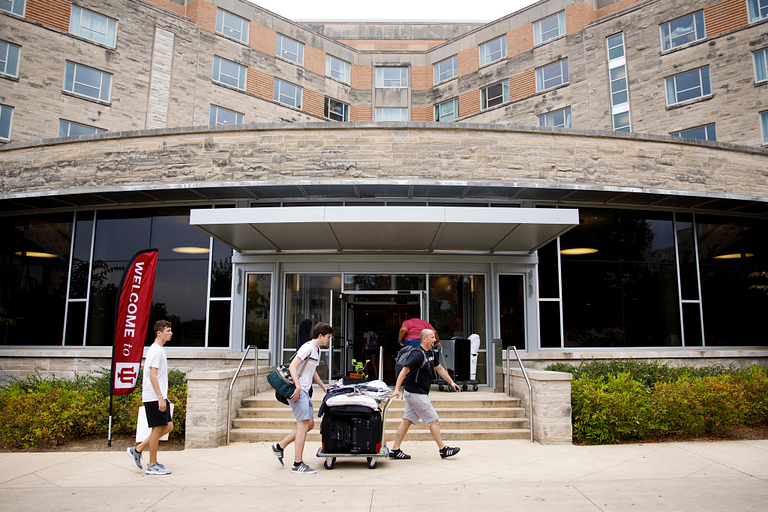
(304, 370)
(154, 392)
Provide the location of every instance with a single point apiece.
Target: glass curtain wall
(258, 299)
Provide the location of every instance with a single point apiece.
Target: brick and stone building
(578, 179)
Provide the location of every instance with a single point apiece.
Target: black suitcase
(351, 429)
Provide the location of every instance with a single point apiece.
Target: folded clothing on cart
(365, 401)
(375, 391)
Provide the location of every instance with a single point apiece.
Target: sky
(400, 10)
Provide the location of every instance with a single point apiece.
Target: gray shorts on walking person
(419, 407)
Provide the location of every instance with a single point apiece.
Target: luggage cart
(330, 458)
(455, 358)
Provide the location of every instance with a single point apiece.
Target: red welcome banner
(131, 322)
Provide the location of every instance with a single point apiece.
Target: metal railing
(232, 384)
(527, 381)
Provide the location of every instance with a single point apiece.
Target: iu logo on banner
(132, 318)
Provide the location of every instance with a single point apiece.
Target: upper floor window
(758, 9)
(93, 26)
(287, 94)
(764, 123)
(391, 114)
(70, 129)
(9, 59)
(700, 133)
(290, 50)
(6, 113)
(229, 25)
(761, 65)
(14, 6)
(337, 68)
(615, 46)
(221, 116)
(549, 28)
(447, 111)
(446, 69)
(85, 81)
(683, 31)
(229, 73)
(493, 50)
(621, 122)
(495, 94)
(551, 75)
(391, 77)
(687, 86)
(619, 91)
(336, 110)
(558, 119)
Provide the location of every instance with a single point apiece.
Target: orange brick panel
(203, 14)
(522, 85)
(259, 83)
(51, 13)
(422, 114)
(362, 77)
(168, 6)
(577, 16)
(519, 40)
(262, 38)
(312, 102)
(469, 103)
(314, 59)
(397, 44)
(360, 113)
(469, 61)
(421, 78)
(725, 16)
(610, 9)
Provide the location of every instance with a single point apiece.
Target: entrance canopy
(379, 228)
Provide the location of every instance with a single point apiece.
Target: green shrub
(753, 382)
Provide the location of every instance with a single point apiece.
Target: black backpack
(402, 358)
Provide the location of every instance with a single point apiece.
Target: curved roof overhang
(388, 229)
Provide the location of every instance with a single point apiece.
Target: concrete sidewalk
(486, 475)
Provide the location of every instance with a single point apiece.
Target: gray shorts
(302, 408)
(419, 407)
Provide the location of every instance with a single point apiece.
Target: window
(391, 114)
(336, 110)
(552, 75)
(446, 69)
(92, 26)
(615, 46)
(758, 9)
(549, 28)
(337, 68)
(70, 129)
(761, 65)
(764, 122)
(229, 73)
(558, 118)
(85, 81)
(14, 6)
(683, 31)
(619, 92)
(5, 122)
(231, 26)
(617, 69)
(447, 111)
(221, 115)
(621, 122)
(287, 94)
(700, 133)
(495, 94)
(289, 49)
(391, 77)
(493, 50)
(688, 86)
(9, 59)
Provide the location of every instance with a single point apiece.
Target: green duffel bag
(281, 380)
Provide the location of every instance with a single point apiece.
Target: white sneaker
(135, 457)
(158, 469)
(303, 468)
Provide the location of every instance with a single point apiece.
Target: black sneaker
(447, 451)
(398, 454)
(278, 453)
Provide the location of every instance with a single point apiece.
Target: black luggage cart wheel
(329, 462)
(372, 463)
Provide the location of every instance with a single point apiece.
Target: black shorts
(156, 418)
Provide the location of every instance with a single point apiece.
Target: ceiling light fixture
(191, 250)
(578, 251)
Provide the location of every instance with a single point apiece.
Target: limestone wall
(551, 416)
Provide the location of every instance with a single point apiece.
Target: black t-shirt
(420, 377)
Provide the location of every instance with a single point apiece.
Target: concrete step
(287, 424)
(268, 402)
(450, 436)
(451, 412)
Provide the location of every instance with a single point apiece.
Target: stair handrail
(527, 381)
(232, 384)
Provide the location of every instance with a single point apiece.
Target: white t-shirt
(156, 358)
(310, 353)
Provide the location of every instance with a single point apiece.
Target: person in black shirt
(416, 378)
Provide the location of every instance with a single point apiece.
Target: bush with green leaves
(626, 400)
(37, 411)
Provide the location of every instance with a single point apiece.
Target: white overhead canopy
(378, 228)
